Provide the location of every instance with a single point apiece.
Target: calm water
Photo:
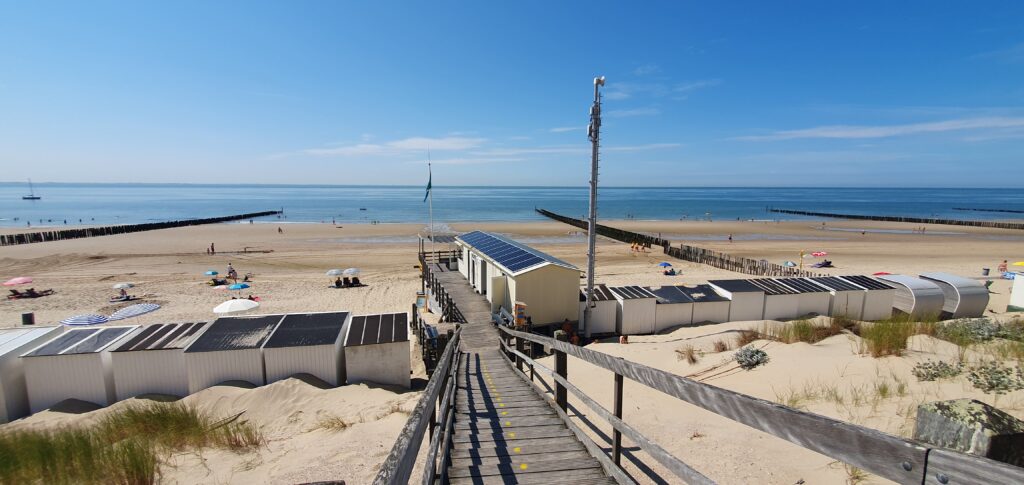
(123, 203)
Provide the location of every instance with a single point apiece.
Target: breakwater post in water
(688, 253)
(60, 235)
(914, 220)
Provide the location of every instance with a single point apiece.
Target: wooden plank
(528, 458)
(509, 422)
(484, 406)
(465, 436)
(946, 467)
(469, 399)
(512, 391)
(885, 455)
(522, 468)
(514, 412)
(574, 477)
(527, 446)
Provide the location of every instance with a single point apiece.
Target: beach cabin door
(483, 277)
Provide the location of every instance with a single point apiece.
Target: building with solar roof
(965, 298)
(230, 349)
(151, 360)
(846, 299)
(377, 349)
(674, 307)
(506, 271)
(879, 297)
(308, 343)
(746, 299)
(602, 315)
(13, 343)
(915, 296)
(813, 299)
(73, 365)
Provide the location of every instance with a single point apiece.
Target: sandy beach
(167, 268)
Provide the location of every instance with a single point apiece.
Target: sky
(731, 93)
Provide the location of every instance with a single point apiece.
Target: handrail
(888, 456)
(397, 468)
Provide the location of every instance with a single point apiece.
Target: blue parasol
(238, 286)
(212, 273)
(665, 264)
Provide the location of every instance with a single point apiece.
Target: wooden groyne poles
(914, 220)
(688, 253)
(1012, 211)
(62, 234)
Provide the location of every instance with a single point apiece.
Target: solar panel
(378, 329)
(307, 329)
(55, 346)
(513, 255)
(235, 333)
(96, 341)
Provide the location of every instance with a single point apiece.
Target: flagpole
(430, 193)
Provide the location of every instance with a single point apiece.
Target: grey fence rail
(689, 253)
(62, 234)
(898, 459)
(914, 220)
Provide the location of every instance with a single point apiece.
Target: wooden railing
(449, 310)
(891, 457)
(437, 406)
(914, 220)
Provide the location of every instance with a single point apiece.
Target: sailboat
(31, 193)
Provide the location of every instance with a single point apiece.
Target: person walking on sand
(730, 238)
(212, 249)
(279, 230)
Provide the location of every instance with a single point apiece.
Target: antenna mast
(594, 133)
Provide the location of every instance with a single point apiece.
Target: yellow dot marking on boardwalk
(511, 435)
(504, 413)
(501, 405)
(517, 450)
(522, 466)
(497, 399)
(508, 423)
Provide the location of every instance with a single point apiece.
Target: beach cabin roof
(737, 286)
(671, 294)
(307, 329)
(161, 337)
(702, 293)
(916, 285)
(867, 282)
(514, 257)
(235, 333)
(965, 297)
(836, 284)
(801, 285)
(632, 292)
(81, 341)
(601, 293)
(12, 338)
(772, 287)
(378, 329)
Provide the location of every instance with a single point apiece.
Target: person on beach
(232, 273)
(212, 249)
(730, 238)
(1002, 267)
(279, 230)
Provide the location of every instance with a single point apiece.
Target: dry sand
(167, 267)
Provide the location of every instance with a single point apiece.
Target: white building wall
(321, 361)
(846, 303)
(149, 372)
(778, 307)
(746, 306)
(711, 311)
(602, 315)
(207, 369)
(637, 316)
(813, 303)
(54, 378)
(878, 304)
(13, 391)
(388, 364)
(668, 315)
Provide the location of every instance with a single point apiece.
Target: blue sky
(698, 93)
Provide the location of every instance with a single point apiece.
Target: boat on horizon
(31, 193)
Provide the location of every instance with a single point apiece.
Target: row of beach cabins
(511, 274)
(43, 366)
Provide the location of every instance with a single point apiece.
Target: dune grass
(886, 337)
(122, 448)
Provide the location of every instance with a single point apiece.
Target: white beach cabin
(308, 343)
(603, 313)
(674, 308)
(377, 349)
(915, 296)
(847, 299)
(13, 343)
(878, 297)
(813, 299)
(708, 305)
(229, 350)
(73, 365)
(151, 360)
(1016, 303)
(636, 312)
(780, 302)
(746, 299)
(965, 298)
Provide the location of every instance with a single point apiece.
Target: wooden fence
(891, 457)
(689, 253)
(62, 234)
(1011, 211)
(914, 220)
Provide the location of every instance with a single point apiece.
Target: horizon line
(581, 187)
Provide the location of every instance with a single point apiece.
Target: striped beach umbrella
(133, 311)
(88, 319)
(351, 272)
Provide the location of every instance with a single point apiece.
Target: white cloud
(414, 144)
(575, 149)
(563, 129)
(628, 113)
(695, 85)
(634, 148)
(1010, 55)
(646, 69)
(472, 161)
(856, 132)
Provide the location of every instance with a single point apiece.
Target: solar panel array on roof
(235, 333)
(772, 287)
(632, 292)
(81, 341)
(378, 329)
(601, 293)
(801, 285)
(161, 337)
(867, 282)
(836, 283)
(13, 338)
(304, 330)
(737, 286)
(512, 255)
(702, 293)
(671, 294)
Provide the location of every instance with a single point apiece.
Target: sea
(109, 204)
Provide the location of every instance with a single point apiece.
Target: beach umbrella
(351, 272)
(238, 286)
(789, 264)
(335, 272)
(236, 306)
(21, 280)
(133, 311)
(123, 286)
(665, 264)
(211, 273)
(88, 319)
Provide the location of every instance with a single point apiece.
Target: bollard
(28, 318)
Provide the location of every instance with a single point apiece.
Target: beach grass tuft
(721, 346)
(688, 353)
(886, 337)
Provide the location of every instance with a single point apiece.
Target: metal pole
(594, 133)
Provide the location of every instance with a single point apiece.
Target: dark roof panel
(97, 341)
(601, 293)
(836, 283)
(737, 286)
(307, 329)
(378, 329)
(671, 294)
(63, 341)
(801, 285)
(702, 293)
(511, 254)
(867, 282)
(235, 333)
(772, 287)
(631, 292)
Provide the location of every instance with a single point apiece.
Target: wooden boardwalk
(505, 431)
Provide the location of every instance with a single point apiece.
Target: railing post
(617, 436)
(519, 359)
(531, 358)
(562, 369)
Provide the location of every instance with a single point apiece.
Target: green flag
(430, 179)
